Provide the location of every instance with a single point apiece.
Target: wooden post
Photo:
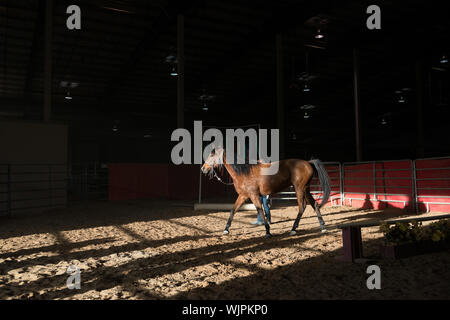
(356, 99)
(48, 61)
(180, 58)
(352, 243)
(280, 93)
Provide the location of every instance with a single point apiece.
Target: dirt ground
(163, 250)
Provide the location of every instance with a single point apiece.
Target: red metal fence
(129, 181)
(379, 184)
(432, 184)
(419, 185)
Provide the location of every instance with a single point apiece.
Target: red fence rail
(378, 184)
(129, 181)
(419, 185)
(432, 184)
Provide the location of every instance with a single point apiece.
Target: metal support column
(414, 185)
(356, 99)
(48, 61)
(375, 181)
(419, 96)
(341, 183)
(280, 93)
(9, 204)
(50, 186)
(180, 59)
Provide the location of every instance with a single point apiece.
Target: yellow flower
(403, 227)
(435, 237)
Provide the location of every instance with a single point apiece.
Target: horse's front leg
(239, 201)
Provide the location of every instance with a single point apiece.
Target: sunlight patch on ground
(186, 256)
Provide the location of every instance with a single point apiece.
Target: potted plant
(404, 239)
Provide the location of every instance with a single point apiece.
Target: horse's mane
(239, 168)
(242, 169)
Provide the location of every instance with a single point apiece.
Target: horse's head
(214, 160)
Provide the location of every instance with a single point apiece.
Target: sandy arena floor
(156, 250)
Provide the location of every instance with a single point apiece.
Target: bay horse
(249, 183)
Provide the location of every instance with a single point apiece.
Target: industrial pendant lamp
(306, 88)
(174, 72)
(68, 96)
(319, 35)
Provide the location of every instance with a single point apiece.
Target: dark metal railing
(25, 187)
(28, 187)
(88, 181)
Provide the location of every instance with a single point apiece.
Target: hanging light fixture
(319, 23)
(319, 35)
(305, 76)
(148, 133)
(307, 107)
(306, 88)
(206, 98)
(174, 71)
(385, 119)
(172, 60)
(115, 126)
(68, 85)
(444, 59)
(401, 96)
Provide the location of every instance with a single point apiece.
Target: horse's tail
(323, 178)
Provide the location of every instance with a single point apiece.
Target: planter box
(412, 249)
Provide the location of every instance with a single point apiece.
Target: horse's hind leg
(258, 205)
(301, 209)
(315, 205)
(239, 201)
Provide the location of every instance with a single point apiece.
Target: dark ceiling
(118, 59)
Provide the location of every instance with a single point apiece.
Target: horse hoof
(268, 235)
(324, 230)
(292, 233)
(226, 232)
